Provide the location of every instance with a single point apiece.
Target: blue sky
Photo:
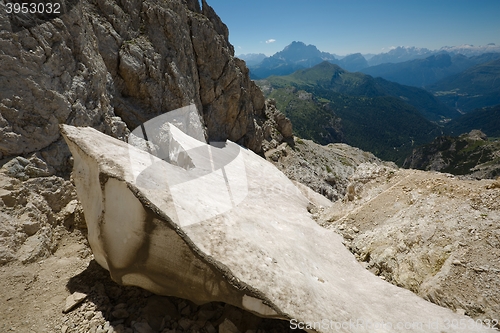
(351, 26)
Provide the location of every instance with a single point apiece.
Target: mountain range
(429, 70)
(298, 55)
(253, 59)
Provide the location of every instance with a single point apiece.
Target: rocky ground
(70, 292)
(432, 233)
(429, 232)
(325, 169)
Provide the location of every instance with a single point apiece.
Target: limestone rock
(73, 301)
(428, 232)
(30, 211)
(24, 169)
(29, 224)
(283, 124)
(46, 80)
(36, 247)
(110, 64)
(194, 232)
(324, 169)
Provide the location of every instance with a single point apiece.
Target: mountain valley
(474, 88)
(328, 104)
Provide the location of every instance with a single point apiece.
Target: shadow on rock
(110, 307)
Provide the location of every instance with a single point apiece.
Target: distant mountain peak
(299, 51)
(296, 44)
(252, 59)
(297, 55)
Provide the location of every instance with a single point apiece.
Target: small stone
(101, 330)
(8, 198)
(89, 315)
(64, 329)
(227, 326)
(121, 306)
(209, 328)
(310, 207)
(186, 311)
(204, 314)
(120, 313)
(115, 292)
(122, 329)
(141, 327)
(356, 230)
(460, 312)
(73, 300)
(185, 323)
(456, 262)
(30, 227)
(348, 236)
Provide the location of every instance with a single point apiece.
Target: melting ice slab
(222, 224)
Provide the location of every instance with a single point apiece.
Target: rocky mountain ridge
(113, 65)
(298, 55)
(470, 155)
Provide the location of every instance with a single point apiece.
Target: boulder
(219, 223)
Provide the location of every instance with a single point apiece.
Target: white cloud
(269, 41)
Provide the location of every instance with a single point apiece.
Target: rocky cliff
(112, 65)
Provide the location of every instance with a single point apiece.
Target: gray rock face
(51, 75)
(194, 232)
(108, 63)
(32, 212)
